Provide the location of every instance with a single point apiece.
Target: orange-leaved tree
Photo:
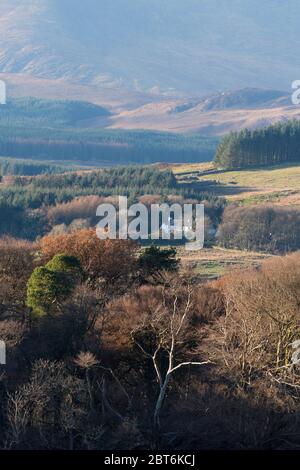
(108, 260)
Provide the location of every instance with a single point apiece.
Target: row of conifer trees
(272, 145)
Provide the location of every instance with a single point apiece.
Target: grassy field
(191, 167)
(278, 184)
(211, 263)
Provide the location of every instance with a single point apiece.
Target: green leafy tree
(68, 265)
(51, 284)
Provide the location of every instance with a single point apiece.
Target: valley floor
(211, 263)
(277, 185)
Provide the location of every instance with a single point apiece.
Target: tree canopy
(272, 145)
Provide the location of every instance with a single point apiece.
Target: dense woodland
(105, 147)
(109, 347)
(272, 145)
(21, 167)
(266, 228)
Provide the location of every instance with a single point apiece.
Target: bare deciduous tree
(169, 325)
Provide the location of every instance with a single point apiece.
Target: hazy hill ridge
(192, 46)
(154, 62)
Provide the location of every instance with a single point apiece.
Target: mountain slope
(216, 122)
(213, 115)
(195, 47)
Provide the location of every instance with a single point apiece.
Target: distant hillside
(168, 65)
(216, 114)
(172, 46)
(246, 98)
(33, 112)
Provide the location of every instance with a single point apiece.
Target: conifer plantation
(272, 145)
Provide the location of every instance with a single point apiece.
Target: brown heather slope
(159, 116)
